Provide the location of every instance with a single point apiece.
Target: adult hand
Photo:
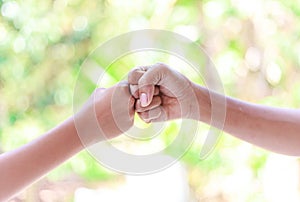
(176, 97)
(107, 114)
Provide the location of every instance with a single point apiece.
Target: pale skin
(158, 94)
(23, 166)
(275, 129)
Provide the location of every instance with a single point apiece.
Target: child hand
(107, 114)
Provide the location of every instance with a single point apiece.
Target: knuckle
(161, 65)
(131, 77)
(132, 74)
(135, 74)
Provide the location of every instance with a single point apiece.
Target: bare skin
(162, 94)
(275, 129)
(23, 166)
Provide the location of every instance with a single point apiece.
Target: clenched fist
(162, 93)
(107, 114)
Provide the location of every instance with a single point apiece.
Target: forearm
(25, 165)
(275, 129)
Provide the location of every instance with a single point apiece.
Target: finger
(147, 82)
(148, 116)
(156, 101)
(161, 118)
(134, 90)
(156, 90)
(135, 74)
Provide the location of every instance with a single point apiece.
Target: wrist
(201, 109)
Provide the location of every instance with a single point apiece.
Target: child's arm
(21, 167)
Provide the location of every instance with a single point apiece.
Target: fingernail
(143, 99)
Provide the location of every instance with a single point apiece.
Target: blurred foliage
(254, 44)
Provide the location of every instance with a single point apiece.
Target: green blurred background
(254, 45)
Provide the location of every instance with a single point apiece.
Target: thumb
(147, 83)
(146, 93)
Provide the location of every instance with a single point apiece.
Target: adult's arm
(275, 129)
(272, 128)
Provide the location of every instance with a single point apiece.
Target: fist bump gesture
(156, 93)
(161, 93)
